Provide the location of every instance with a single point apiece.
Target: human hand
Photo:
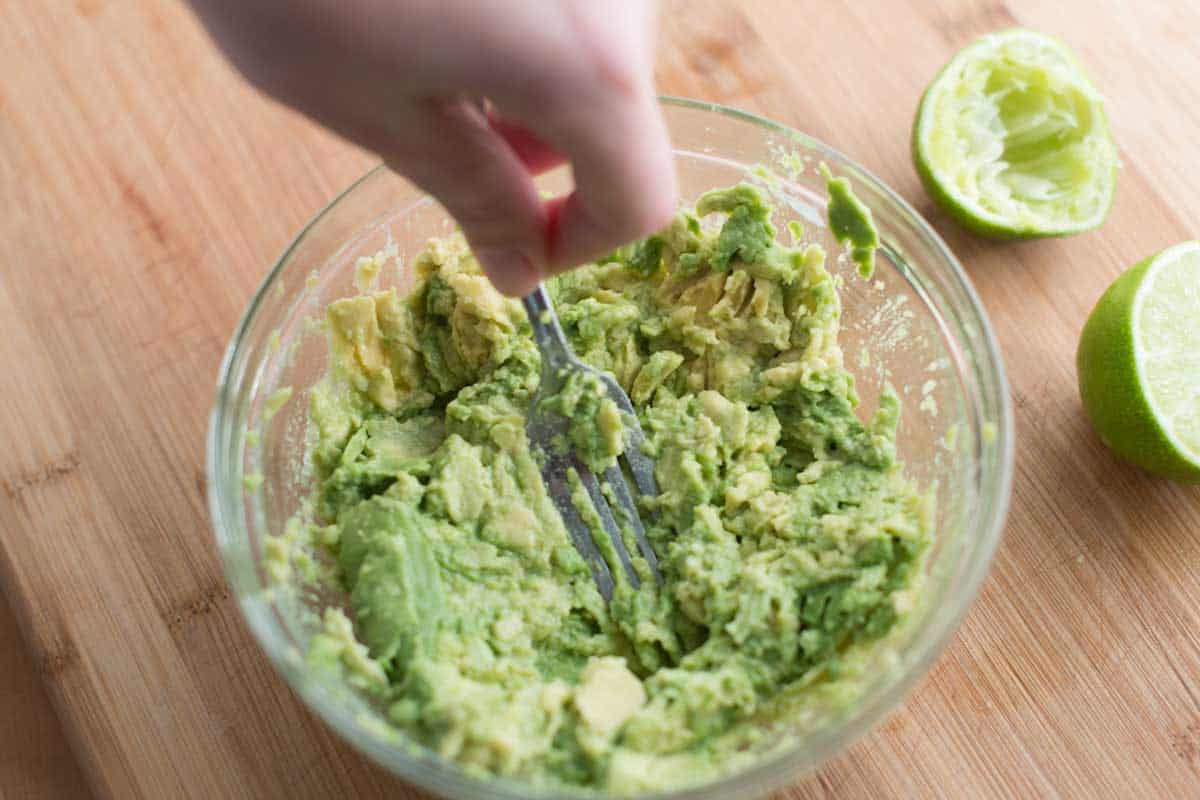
(564, 80)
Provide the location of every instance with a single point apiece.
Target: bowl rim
(408, 765)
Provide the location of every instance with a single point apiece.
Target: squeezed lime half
(1139, 364)
(1012, 141)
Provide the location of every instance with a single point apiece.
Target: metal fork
(547, 430)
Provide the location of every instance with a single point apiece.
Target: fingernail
(510, 270)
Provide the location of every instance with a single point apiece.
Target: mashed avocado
(787, 534)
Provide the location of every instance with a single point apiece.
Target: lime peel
(1139, 372)
(1012, 141)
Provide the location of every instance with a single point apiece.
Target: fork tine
(624, 503)
(641, 466)
(554, 475)
(592, 486)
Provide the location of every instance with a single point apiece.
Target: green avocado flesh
(851, 223)
(788, 536)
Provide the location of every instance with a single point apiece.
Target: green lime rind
(1110, 381)
(970, 212)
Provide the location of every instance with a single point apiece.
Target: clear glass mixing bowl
(917, 323)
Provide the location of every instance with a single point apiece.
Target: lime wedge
(1011, 139)
(1139, 364)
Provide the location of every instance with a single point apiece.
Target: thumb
(450, 150)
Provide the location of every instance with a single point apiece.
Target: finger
(624, 170)
(450, 150)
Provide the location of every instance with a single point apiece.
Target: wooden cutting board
(143, 193)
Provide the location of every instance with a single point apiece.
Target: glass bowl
(917, 323)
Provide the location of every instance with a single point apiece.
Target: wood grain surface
(35, 758)
(144, 191)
